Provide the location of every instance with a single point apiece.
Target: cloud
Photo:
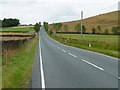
(32, 11)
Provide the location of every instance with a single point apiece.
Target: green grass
(17, 71)
(24, 29)
(106, 44)
(90, 37)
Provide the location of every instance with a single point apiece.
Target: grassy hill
(106, 21)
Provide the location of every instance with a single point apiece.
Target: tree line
(57, 27)
(95, 30)
(10, 22)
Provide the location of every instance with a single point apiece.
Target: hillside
(106, 21)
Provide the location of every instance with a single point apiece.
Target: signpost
(81, 23)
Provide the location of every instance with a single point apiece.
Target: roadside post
(81, 23)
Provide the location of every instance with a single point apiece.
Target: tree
(40, 24)
(10, 22)
(45, 26)
(65, 28)
(84, 29)
(78, 28)
(0, 24)
(57, 26)
(115, 30)
(50, 32)
(93, 30)
(36, 27)
(106, 31)
(118, 32)
(99, 28)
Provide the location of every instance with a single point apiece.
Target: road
(63, 66)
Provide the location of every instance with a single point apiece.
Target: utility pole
(81, 23)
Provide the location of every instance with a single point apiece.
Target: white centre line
(58, 47)
(63, 50)
(41, 68)
(72, 55)
(93, 65)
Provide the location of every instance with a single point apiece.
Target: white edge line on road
(63, 50)
(72, 55)
(41, 68)
(83, 49)
(93, 65)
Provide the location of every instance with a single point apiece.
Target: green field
(106, 44)
(17, 69)
(24, 29)
(90, 37)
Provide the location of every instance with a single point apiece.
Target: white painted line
(41, 68)
(72, 55)
(83, 49)
(94, 52)
(58, 47)
(118, 77)
(63, 50)
(93, 65)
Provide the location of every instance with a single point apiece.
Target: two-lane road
(62, 66)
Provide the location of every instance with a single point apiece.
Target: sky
(52, 11)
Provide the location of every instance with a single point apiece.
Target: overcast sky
(32, 11)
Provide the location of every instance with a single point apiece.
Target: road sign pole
(81, 23)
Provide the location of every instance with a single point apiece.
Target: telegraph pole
(81, 23)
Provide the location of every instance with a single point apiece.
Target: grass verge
(107, 45)
(16, 73)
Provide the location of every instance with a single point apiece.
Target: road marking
(72, 55)
(41, 68)
(83, 49)
(93, 65)
(63, 50)
(118, 77)
(58, 47)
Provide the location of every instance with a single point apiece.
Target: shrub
(37, 27)
(65, 28)
(99, 28)
(93, 30)
(106, 32)
(115, 30)
(78, 28)
(45, 26)
(57, 26)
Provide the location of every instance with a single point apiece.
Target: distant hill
(106, 21)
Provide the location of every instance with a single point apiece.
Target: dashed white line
(58, 47)
(83, 49)
(93, 65)
(63, 50)
(72, 55)
(118, 77)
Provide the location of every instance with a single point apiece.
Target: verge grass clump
(106, 44)
(16, 73)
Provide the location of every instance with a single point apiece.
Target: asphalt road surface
(61, 66)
